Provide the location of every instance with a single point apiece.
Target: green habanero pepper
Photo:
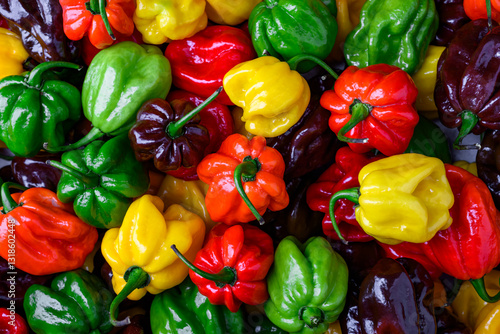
(34, 110)
(184, 309)
(277, 28)
(394, 32)
(77, 302)
(313, 297)
(101, 179)
(428, 139)
(118, 81)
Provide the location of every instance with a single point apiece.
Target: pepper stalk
(352, 194)
(98, 7)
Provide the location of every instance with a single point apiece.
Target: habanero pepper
(231, 267)
(200, 62)
(12, 52)
(12, 324)
(372, 107)
(478, 9)
(35, 172)
(230, 13)
(451, 17)
(488, 168)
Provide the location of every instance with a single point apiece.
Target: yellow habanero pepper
(12, 53)
(139, 251)
(161, 20)
(230, 12)
(404, 197)
(273, 96)
(471, 167)
(348, 12)
(425, 80)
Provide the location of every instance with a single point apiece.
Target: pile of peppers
(249, 166)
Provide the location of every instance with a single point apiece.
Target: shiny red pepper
(372, 107)
(199, 63)
(342, 175)
(12, 322)
(231, 267)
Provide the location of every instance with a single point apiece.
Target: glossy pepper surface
(35, 111)
(84, 17)
(477, 10)
(184, 308)
(488, 168)
(231, 267)
(347, 19)
(12, 52)
(277, 29)
(451, 17)
(285, 100)
(260, 168)
(230, 13)
(163, 20)
(372, 107)
(200, 62)
(313, 297)
(394, 32)
(76, 302)
(49, 237)
(35, 172)
(12, 326)
(101, 180)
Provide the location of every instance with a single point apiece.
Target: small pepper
(232, 266)
(477, 9)
(12, 323)
(488, 169)
(35, 172)
(12, 52)
(245, 177)
(230, 13)
(451, 17)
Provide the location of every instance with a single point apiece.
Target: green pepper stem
(244, 172)
(359, 111)
(174, 129)
(7, 157)
(98, 7)
(488, 12)
(7, 201)
(226, 276)
(271, 3)
(90, 181)
(478, 285)
(93, 134)
(36, 75)
(136, 278)
(450, 295)
(469, 121)
(312, 316)
(294, 63)
(351, 194)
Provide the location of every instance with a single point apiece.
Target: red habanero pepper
(231, 267)
(12, 323)
(245, 177)
(476, 9)
(200, 62)
(97, 19)
(49, 237)
(372, 107)
(342, 175)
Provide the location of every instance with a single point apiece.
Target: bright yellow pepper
(272, 96)
(347, 19)
(425, 80)
(161, 20)
(230, 12)
(12, 53)
(239, 125)
(471, 167)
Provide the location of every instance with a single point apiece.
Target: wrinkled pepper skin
(277, 27)
(341, 175)
(286, 99)
(471, 167)
(50, 238)
(451, 17)
(35, 172)
(394, 32)
(12, 52)
(12, 326)
(230, 13)
(200, 62)
(35, 111)
(379, 99)
(488, 168)
(397, 297)
(184, 309)
(76, 302)
(40, 25)
(313, 297)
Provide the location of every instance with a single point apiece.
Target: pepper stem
(488, 12)
(93, 134)
(294, 63)
(90, 181)
(7, 201)
(359, 112)
(245, 172)
(7, 157)
(136, 278)
(478, 285)
(35, 76)
(226, 276)
(98, 7)
(351, 194)
(174, 129)
(469, 121)
(312, 316)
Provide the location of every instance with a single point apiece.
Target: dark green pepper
(313, 297)
(77, 302)
(394, 32)
(34, 111)
(184, 309)
(101, 179)
(278, 28)
(428, 139)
